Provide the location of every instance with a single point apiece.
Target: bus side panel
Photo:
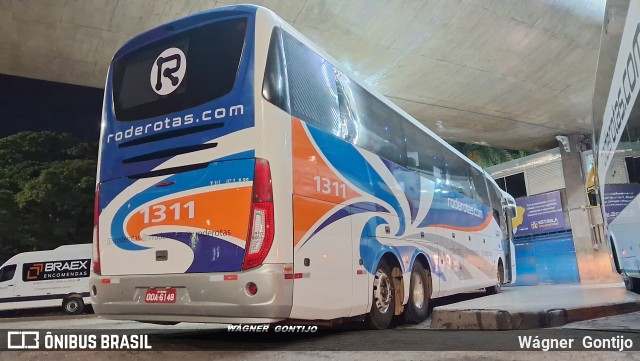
(339, 174)
(324, 266)
(625, 230)
(322, 246)
(274, 144)
(340, 190)
(466, 240)
(362, 289)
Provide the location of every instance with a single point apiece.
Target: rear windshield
(179, 72)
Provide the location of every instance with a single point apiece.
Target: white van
(47, 279)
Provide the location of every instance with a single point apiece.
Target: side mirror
(509, 206)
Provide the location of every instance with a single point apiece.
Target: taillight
(262, 190)
(96, 244)
(261, 226)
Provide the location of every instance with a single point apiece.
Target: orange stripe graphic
(313, 178)
(307, 213)
(222, 211)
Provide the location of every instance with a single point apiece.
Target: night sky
(36, 105)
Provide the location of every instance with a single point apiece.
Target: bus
(246, 177)
(614, 177)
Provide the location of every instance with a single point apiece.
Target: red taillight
(262, 191)
(96, 244)
(261, 224)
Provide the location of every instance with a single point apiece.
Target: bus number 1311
(326, 186)
(157, 213)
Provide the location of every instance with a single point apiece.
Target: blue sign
(538, 214)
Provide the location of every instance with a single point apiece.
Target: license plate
(160, 295)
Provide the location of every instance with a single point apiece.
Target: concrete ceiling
(508, 73)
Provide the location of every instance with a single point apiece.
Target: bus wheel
(73, 305)
(417, 308)
(383, 305)
(499, 280)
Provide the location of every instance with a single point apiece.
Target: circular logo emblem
(168, 71)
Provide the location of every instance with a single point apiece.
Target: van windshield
(7, 272)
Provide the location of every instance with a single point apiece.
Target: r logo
(168, 71)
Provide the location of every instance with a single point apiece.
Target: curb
(505, 320)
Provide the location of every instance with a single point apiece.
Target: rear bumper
(201, 297)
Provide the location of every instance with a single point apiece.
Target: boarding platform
(530, 307)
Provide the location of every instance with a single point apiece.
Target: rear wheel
(499, 280)
(383, 304)
(73, 305)
(417, 308)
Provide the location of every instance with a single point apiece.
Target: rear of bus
(186, 195)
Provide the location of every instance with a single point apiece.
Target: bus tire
(73, 305)
(499, 280)
(383, 302)
(417, 308)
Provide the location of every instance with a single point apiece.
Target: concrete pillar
(593, 264)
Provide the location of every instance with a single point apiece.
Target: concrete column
(593, 264)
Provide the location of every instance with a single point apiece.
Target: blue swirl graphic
(353, 166)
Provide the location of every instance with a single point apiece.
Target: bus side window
(274, 87)
(496, 203)
(457, 174)
(312, 88)
(368, 122)
(7, 272)
(424, 153)
(348, 116)
(479, 186)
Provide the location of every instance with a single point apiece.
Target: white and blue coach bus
(617, 139)
(245, 176)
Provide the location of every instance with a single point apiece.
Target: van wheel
(383, 304)
(419, 295)
(73, 306)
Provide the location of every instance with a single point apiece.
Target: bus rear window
(179, 72)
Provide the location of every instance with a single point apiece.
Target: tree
(58, 204)
(486, 156)
(47, 183)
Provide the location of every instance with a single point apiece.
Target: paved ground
(536, 307)
(196, 338)
(627, 321)
(527, 298)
